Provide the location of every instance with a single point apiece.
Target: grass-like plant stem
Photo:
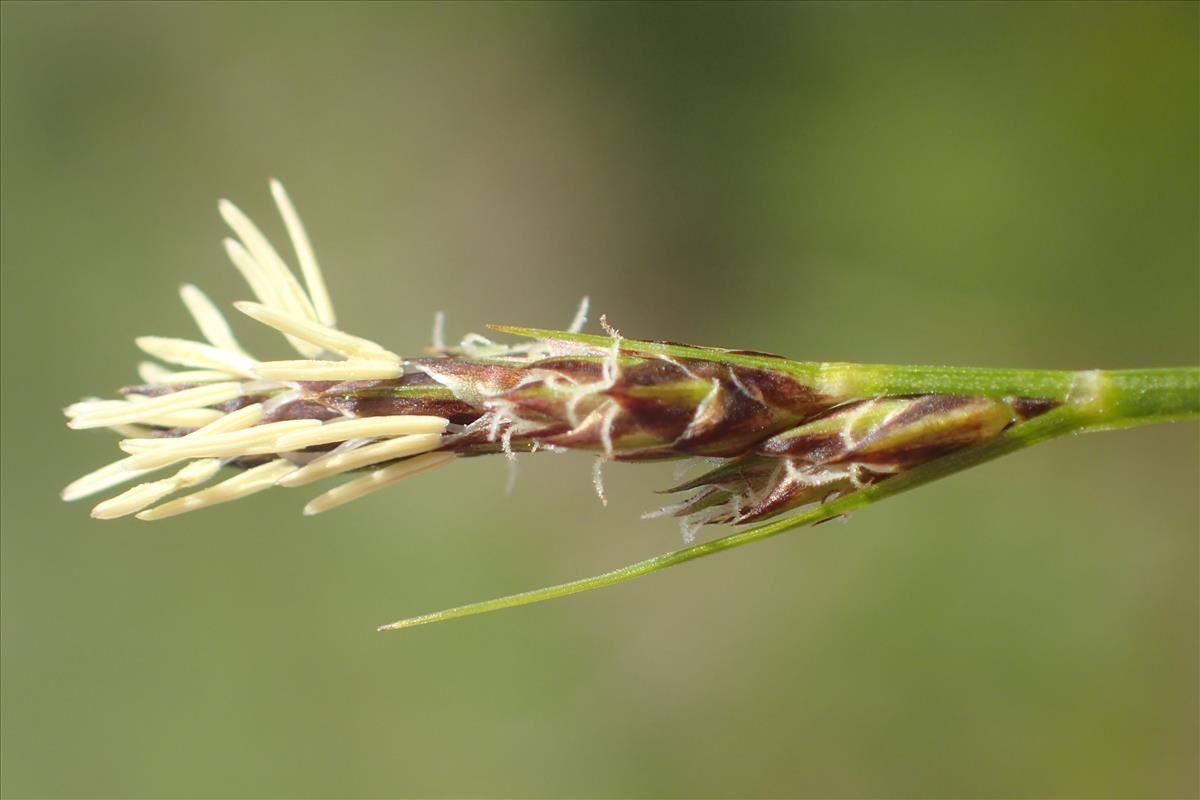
(1090, 401)
(779, 436)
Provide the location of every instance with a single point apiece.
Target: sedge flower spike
(819, 439)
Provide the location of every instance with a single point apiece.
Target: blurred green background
(986, 184)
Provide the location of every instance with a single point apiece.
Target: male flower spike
(776, 434)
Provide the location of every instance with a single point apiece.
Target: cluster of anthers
(226, 407)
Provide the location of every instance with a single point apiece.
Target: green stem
(865, 380)
(1092, 401)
